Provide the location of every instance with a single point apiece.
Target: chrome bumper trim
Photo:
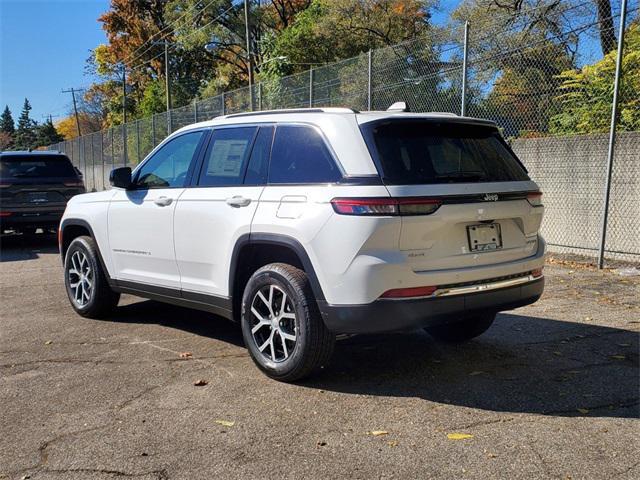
(481, 287)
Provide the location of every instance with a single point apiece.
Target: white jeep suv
(304, 224)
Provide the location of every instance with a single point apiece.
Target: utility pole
(249, 59)
(167, 83)
(124, 94)
(463, 91)
(73, 91)
(50, 117)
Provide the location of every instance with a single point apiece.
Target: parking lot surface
(550, 391)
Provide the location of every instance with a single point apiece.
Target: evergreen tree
(26, 134)
(7, 129)
(47, 134)
(6, 122)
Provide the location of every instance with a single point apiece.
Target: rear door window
(299, 155)
(227, 154)
(424, 152)
(36, 166)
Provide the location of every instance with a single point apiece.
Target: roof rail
(293, 110)
(443, 114)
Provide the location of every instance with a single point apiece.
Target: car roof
(32, 152)
(341, 126)
(311, 115)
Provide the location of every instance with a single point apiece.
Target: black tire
(313, 342)
(101, 299)
(468, 328)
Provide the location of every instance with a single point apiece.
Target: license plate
(38, 197)
(484, 237)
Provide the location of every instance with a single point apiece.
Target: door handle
(163, 201)
(238, 201)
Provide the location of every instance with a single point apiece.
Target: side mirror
(120, 177)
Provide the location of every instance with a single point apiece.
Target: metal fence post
(369, 78)
(195, 110)
(463, 92)
(260, 96)
(113, 152)
(224, 106)
(138, 141)
(169, 123)
(612, 135)
(311, 75)
(93, 164)
(102, 158)
(153, 131)
(124, 144)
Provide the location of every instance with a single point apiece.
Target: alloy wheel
(273, 323)
(80, 277)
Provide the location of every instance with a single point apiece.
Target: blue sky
(44, 45)
(43, 48)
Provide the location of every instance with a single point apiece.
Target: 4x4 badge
(490, 197)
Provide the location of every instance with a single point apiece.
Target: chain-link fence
(557, 118)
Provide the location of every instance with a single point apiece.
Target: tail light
(535, 198)
(380, 206)
(5, 214)
(76, 183)
(409, 292)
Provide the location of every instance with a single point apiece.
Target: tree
(25, 136)
(6, 141)
(6, 121)
(88, 123)
(587, 93)
(47, 134)
(606, 31)
(7, 129)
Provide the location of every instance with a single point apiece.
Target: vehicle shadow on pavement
(192, 321)
(15, 248)
(521, 365)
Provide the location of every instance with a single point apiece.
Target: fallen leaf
(618, 357)
(48, 342)
(559, 354)
(377, 433)
(392, 443)
(623, 344)
(459, 436)
(321, 444)
(583, 410)
(477, 372)
(225, 423)
(491, 455)
(186, 355)
(200, 383)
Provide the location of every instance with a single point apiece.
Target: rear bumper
(395, 315)
(25, 217)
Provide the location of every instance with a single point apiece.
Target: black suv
(34, 189)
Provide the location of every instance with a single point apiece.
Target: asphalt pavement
(550, 391)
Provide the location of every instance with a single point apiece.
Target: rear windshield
(27, 166)
(419, 152)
